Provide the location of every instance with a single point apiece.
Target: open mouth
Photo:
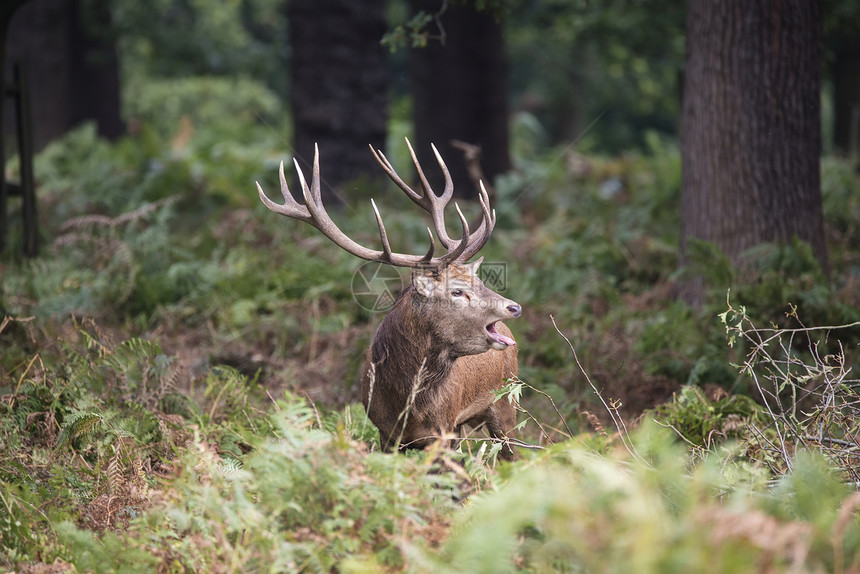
(497, 338)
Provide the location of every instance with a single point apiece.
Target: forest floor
(179, 382)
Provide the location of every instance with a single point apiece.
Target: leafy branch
(412, 33)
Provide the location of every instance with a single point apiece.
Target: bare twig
(620, 425)
(472, 159)
(551, 402)
(809, 398)
(417, 387)
(537, 422)
(314, 407)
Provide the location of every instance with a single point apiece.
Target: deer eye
(457, 293)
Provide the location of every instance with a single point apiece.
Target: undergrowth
(178, 376)
(307, 490)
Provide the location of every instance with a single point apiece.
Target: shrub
(573, 511)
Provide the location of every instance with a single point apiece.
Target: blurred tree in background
(459, 85)
(68, 47)
(842, 44)
(565, 63)
(339, 86)
(602, 73)
(751, 126)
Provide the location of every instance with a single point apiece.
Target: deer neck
(406, 352)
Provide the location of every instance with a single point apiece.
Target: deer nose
(515, 310)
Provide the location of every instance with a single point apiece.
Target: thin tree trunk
(751, 134)
(37, 37)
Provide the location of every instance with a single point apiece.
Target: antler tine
(390, 256)
(383, 236)
(314, 213)
(435, 204)
(488, 216)
(449, 183)
(429, 255)
(320, 219)
(428, 200)
(389, 169)
(488, 223)
(290, 208)
(457, 253)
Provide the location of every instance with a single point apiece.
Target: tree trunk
(37, 38)
(751, 133)
(846, 99)
(71, 65)
(460, 92)
(339, 86)
(94, 68)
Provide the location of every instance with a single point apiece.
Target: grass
(179, 368)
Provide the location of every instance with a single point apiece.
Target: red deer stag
(442, 349)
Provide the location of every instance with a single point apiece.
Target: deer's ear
(424, 284)
(473, 266)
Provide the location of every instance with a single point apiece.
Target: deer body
(442, 349)
(432, 366)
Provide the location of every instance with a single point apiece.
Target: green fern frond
(225, 385)
(179, 404)
(230, 465)
(131, 353)
(93, 343)
(79, 426)
(227, 376)
(115, 478)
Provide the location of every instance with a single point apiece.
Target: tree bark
(846, 99)
(94, 92)
(751, 133)
(339, 86)
(460, 92)
(37, 38)
(71, 65)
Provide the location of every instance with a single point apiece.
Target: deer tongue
(498, 337)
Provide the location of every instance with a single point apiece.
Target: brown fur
(430, 369)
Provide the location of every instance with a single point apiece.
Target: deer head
(470, 309)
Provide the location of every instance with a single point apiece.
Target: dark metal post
(25, 153)
(7, 9)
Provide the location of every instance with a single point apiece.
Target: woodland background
(678, 203)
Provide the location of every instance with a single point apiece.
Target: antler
(313, 212)
(435, 204)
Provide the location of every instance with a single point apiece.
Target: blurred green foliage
(606, 513)
(182, 38)
(601, 73)
(228, 107)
